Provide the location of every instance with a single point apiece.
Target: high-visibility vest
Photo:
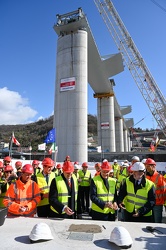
(135, 201)
(44, 187)
(121, 177)
(116, 169)
(2, 195)
(63, 193)
(86, 177)
(103, 194)
(160, 187)
(22, 194)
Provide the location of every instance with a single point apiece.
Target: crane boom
(134, 61)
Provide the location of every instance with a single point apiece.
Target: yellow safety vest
(44, 187)
(2, 195)
(120, 179)
(63, 191)
(116, 169)
(85, 178)
(136, 201)
(103, 194)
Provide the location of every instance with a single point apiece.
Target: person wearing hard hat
(84, 187)
(116, 168)
(63, 193)
(57, 170)
(137, 196)
(44, 180)
(123, 174)
(7, 160)
(36, 169)
(23, 195)
(98, 168)
(160, 188)
(135, 159)
(18, 166)
(8, 178)
(76, 168)
(103, 195)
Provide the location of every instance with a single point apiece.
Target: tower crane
(134, 61)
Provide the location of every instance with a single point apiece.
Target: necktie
(69, 182)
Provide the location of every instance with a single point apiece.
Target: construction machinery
(134, 61)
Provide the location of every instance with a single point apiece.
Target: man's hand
(68, 211)
(121, 205)
(23, 209)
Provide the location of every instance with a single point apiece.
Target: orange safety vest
(160, 187)
(22, 194)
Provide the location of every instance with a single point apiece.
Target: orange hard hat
(48, 162)
(18, 163)
(35, 162)
(68, 167)
(27, 168)
(59, 166)
(105, 165)
(8, 168)
(84, 164)
(98, 164)
(7, 158)
(150, 161)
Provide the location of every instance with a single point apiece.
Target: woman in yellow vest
(63, 193)
(103, 195)
(137, 196)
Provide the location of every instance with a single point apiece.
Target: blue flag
(50, 138)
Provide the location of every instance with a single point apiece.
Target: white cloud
(14, 108)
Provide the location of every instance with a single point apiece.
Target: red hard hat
(7, 158)
(67, 158)
(84, 164)
(150, 161)
(105, 165)
(27, 168)
(1, 165)
(68, 167)
(76, 163)
(18, 163)
(59, 166)
(129, 169)
(8, 168)
(48, 162)
(35, 162)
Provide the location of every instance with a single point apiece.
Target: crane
(134, 61)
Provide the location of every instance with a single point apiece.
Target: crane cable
(158, 5)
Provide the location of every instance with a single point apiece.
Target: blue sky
(28, 55)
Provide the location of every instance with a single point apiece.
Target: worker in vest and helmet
(44, 180)
(84, 187)
(116, 168)
(7, 160)
(103, 195)
(63, 193)
(25, 200)
(8, 177)
(160, 188)
(18, 166)
(137, 196)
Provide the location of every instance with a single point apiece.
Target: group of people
(137, 190)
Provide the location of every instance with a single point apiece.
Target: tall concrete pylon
(78, 63)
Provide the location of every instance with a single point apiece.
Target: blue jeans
(157, 213)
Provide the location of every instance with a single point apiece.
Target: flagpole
(11, 145)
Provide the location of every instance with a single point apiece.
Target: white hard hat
(135, 158)
(76, 166)
(125, 165)
(144, 160)
(121, 237)
(115, 160)
(41, 231)
(138, 166)
(121, 164)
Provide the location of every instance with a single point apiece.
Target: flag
(42, 146)
(14, 140)
(52, 148)
(50, 138)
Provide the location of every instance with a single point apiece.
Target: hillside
(35, 133)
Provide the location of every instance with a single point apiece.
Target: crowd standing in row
(136, 190)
